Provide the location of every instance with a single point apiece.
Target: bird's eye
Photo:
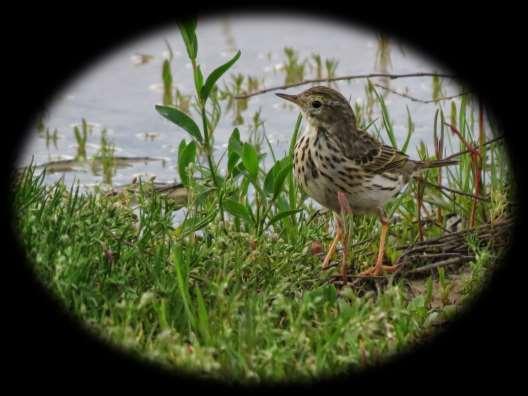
(316, 104)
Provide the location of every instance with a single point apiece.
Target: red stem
(476, 162)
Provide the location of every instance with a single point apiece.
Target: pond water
(118, 94)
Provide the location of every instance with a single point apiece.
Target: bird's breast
(323, 171)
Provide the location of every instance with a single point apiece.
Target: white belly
(371, 196)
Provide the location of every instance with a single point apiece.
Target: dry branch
(413, 99)
(474, 148)
(343, 78)
(479, 197)
(449, 250)
(453, 248)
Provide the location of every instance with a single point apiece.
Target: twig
(428, 256)
(470, 147)
(413, 99)
(342, 78)
(476, 165)
(477, 147)
(451, 261)
(445, 250)
(480, 230)
(480, 197)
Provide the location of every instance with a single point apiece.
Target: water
(119, 95)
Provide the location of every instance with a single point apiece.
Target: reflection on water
(116, 97)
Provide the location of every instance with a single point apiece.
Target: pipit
(346, 169)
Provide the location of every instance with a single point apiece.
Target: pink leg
(333, 245)
(345, 208)
(378, 268)
(343, 203)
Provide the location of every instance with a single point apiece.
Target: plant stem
(208, 154)
(207, 146)
(419, 199)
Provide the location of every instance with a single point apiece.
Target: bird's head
(323, 106)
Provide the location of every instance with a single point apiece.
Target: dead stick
(474, 148)
(454, 260)
(350, 77)
(425, 255)
(480, 230)
(480, 197)
(413, 99)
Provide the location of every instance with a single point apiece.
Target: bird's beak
(291, 98)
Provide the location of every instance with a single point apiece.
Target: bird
(347, 170)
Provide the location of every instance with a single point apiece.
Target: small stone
(316, 248)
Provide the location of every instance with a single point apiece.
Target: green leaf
(186, 155)
(181, 119)
(295, 134)
(166, 73)
(234, 145)
(269, 180)
(169, 48)
(234, 150)
(194, 224)
(274, 180)
(416, 303)
(292, 187)
(78, 137)
(386, 120)
(215, 75)
(188, 32)
(237, 209)
(198, 79)
(282, 215)
(232, 160)
(203, 317)
(453, 114)
(181, 148)
(167, 83)
(181, 282)
(279, 180)
(162, 314)
(250, 159)
(330, 293)
(410, 130)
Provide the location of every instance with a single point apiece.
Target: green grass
(235, 290)
(226, 305)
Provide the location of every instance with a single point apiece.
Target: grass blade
(282, 215)
(250, 159)
(237, 210)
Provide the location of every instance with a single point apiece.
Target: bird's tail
(436, 163)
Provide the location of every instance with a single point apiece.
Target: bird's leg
(378, 268)
(344, 261)
(345, 208)
(343, 203)
(333, 245)
(340, 232)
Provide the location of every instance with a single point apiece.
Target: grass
(235, 290)
(225, 305)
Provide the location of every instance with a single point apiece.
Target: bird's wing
(367, 152)
(387, 159)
